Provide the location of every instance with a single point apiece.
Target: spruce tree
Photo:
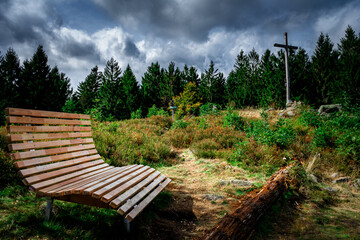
(190, 75)
(301, 85)
(152, 83)
(349, 69)
(324, 67)
(9, 76)
(111, 93)
(59, 89)
(132, 97)
(88, 90)
(40, 87)
(239, 80)
(172, 84)
(212, 86)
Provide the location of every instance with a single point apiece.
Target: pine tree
(349, 69)
(59, 89)
(152, 83)
(111, 93)
(40, 87)
(132, 97)
(301, 86)
(88, 90)
(212, 86)
(172, 84)
(190, 75)
(270, 91)
(238, 82)
(324, 67)
(9, 76)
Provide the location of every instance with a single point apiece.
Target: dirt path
(200, 197)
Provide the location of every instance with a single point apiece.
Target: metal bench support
(127, 225)
(49, 205)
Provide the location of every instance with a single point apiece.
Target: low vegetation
(217, 139)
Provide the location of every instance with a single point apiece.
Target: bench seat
(56, 157)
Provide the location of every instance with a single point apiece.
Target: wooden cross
(286, 47)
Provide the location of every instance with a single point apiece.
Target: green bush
(233, 120)
(282, 134)
(154, 111)
(209, 109)
(137, 114)
(8, 173)
(310, 117)
(179, 124)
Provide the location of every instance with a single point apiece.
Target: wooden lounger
(56, 158)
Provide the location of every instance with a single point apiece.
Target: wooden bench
(56, 157)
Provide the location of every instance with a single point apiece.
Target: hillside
(213, 161)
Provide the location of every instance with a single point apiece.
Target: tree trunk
(240, 223)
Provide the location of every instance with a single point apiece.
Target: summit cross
(286, 47)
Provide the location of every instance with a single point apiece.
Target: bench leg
(48, 209)
(127, 225)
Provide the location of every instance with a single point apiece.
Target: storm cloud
(196, 19)
(80, 34)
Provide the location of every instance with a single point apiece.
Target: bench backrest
(50, 146)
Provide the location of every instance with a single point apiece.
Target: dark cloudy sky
(79, 34)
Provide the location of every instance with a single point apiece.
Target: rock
(341, 180)
(224, 182)
(239, 183)
(357, 184)
(269, 110)
(335, 175)
(330, 189)
(289, 104)
(242, 183)
(290, 113)
(331, 108)
(314, 178)
(213, 197)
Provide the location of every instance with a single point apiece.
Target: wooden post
(287, 69)
(286, 47)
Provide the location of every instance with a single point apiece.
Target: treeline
(330, 75)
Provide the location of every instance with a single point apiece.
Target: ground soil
(191, 213)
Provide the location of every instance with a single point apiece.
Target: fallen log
(240, 223)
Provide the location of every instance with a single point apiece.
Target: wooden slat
(73, 188)
(146, 201)
(109, 187)
(133, 201)
(47, 136)
(90, 188)
(54, 188)
(53, 121)
(50, 151)
(35, 145)
(49, 167)
(40, 113)
(38, 129)
(55, 158)
(128, 194)
(93, 185)
(53, 174)
(128, 184)
(46, 183)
